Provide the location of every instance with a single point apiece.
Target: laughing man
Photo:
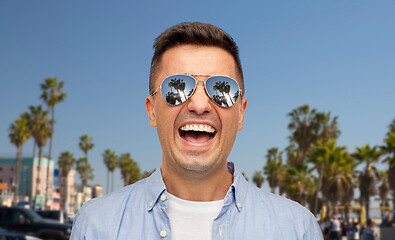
(196, 104)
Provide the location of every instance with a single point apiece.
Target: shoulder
(113, 201)
(279, 203)
(105, 213)
(287, 216)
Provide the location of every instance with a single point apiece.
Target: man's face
(194, 152)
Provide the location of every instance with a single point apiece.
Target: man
(334, 232)
(196, 104)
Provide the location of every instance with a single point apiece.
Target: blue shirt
(138, 211)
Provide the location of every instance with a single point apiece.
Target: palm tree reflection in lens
(220, 92)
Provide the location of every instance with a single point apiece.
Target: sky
(336, 56)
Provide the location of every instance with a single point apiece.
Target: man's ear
(149, 106)
(243, 107)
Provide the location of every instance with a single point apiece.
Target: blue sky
(336, 56)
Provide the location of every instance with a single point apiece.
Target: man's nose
(199, 102)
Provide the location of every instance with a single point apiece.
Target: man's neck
(211, 187)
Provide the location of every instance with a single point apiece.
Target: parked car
(57, 215)
(26, 221)
(5, 235)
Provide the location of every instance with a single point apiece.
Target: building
(32, 179)
(67, 191)
(97, 191)
(6, 195)
(56, 190)
(82, 197)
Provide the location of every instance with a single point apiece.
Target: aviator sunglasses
(176, 89)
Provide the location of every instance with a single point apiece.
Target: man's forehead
(197, 60)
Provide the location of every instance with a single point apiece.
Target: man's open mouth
(197, 133)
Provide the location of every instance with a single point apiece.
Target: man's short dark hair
(195, 33)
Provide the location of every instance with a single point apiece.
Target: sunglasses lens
(224, 91)
(176, 89)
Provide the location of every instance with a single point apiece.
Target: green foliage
(245, 176)
(52, 91)
(274, 168)
(66, 162)
(20, 131)
(110, 160)
(130, 169)
(258, 179)
(39, 125)
(19, 134)
(86, 144)
(85, 170)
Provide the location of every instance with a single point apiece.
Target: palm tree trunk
(316, 194)
(34, 149)
(52, 130)
(367, 208)
(38, 179)
(346, 212)
(112, 181)
(48, 186)
(17, 174)
(393, 199)
(108, 180)
(31, 203)
(66, 202)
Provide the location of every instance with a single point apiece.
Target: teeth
(200, 128)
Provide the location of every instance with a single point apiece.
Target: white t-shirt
(192, 220)
(335, 225)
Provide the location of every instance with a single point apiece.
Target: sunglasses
(176, 89)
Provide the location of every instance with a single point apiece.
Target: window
(1, 169)
(11, 181)
(12, 168)
(1, 180)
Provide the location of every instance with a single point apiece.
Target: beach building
(32, 179)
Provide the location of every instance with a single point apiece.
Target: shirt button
(163, 233)
(238, 205)
(163, 197)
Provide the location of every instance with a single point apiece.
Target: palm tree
(367, 178)
(325, 129)
(40, 128)
(274, 168)
(86, 144)
(130, 169)
(147, 173)
(258, 179)
(337, 167)
(219, 86)
(83, 166)
(384, 190)
(85, 171)
(245, 176)
(297, 182)
(19, 134)
(301, 127)
(52, 94)
(66, 162)
(111, 161)
(389, 149)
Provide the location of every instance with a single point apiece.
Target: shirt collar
(235, 195)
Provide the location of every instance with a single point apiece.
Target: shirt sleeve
(313, 231)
